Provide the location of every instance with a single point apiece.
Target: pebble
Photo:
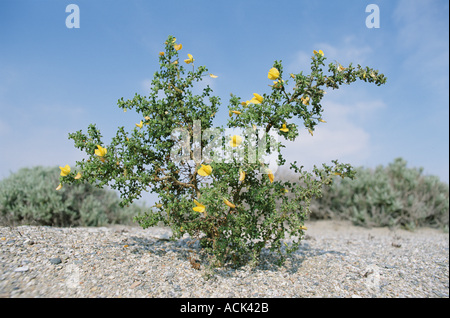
(337, 260)
(56, 260)
(22, 269)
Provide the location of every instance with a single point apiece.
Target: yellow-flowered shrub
(231, 200)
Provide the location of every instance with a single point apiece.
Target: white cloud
(348, 52)
(423, 40)
(301, 62)
(343, 137)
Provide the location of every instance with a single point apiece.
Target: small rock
(177, 288)
(28, 242)
(169, 275)
(135, 284)
(22, 269)
(161, 234)
(56, 260)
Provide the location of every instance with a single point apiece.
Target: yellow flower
(236, 112)
(59, 187)
(273, 73)
(245, 104)
(320, 52)
(311, 132)
(257, 99)
(303, 227)
(65, 170)
(241, 175)
(321, 120)
(139, 125)
(173, 40)
(178, 47)
(305, 100)
(205, 170)
(235, 141)
(212, 75)
(278, 84)
(147, 117)
(284, 129)
(270, 175)
(161, 53)
(100, 151)
(199, 208)
(190, 59)
(292, 75)
(231, 205)
(175, 62)
(78, 176)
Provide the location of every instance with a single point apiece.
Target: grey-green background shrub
(29, 197)
(394, 196)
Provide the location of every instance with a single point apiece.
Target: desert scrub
(395, 196)
(29, 197)
(215, 183)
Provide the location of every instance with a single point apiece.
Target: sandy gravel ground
(334, 260)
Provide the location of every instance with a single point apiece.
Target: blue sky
(55, 80)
